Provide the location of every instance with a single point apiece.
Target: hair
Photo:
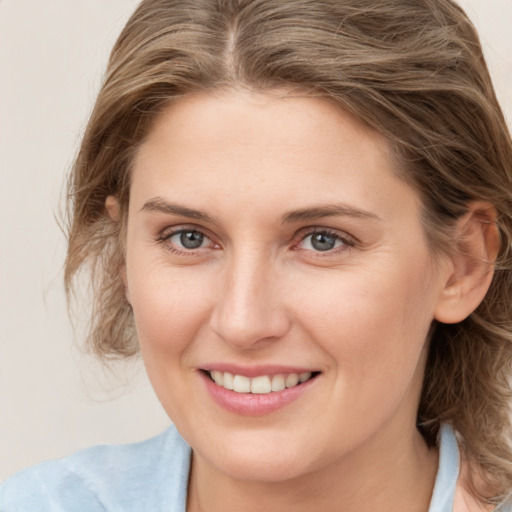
(412, 70)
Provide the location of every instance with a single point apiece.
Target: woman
(301, 213)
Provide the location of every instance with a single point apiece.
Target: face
(271, 242)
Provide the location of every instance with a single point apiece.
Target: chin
(260, 457)
(248, 468)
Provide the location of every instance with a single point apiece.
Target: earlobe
(113, 208)
(472, 263)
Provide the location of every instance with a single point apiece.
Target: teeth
(260, 385)
(241, 384)
(218, 377)
(228, 381)
(278, 383)
(292, 380)
(303, 377)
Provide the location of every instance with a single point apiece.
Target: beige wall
(53, 400)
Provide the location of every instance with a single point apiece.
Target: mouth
(261, 384)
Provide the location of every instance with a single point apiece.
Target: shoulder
(452, 490)
(505, 506)
(104, 478)
(466, 502)
(465, 499)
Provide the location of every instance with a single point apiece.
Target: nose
(250, 311)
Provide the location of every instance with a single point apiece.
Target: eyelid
(168, 232)
(348, 241)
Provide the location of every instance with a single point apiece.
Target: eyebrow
(330, 210)
(159, 205)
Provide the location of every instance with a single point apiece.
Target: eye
(324, 241)
(188, 239)
(185, 240)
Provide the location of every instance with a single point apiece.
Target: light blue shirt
(150, 476)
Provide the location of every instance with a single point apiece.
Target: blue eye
(323, 241)
(188, 239)
(191, 239)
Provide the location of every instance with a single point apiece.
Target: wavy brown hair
(412, 70)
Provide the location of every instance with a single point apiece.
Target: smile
(260, 391)
(262, 384)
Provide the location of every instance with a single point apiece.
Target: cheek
(170, 304)
(371, 321)
(167, 310)
(170, 312)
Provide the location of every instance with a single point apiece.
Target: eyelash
(347, 242)
(166, 235)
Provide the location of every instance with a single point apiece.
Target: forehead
(284, 119)
(266, 150)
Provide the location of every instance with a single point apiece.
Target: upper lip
(256, 370)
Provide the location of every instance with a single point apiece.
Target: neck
(381, 475)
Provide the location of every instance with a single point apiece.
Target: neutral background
(54, 399)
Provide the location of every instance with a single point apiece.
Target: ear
(471, 268)
(113, 208)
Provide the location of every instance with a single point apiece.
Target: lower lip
(253, 404)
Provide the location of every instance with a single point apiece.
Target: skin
(258, 292)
